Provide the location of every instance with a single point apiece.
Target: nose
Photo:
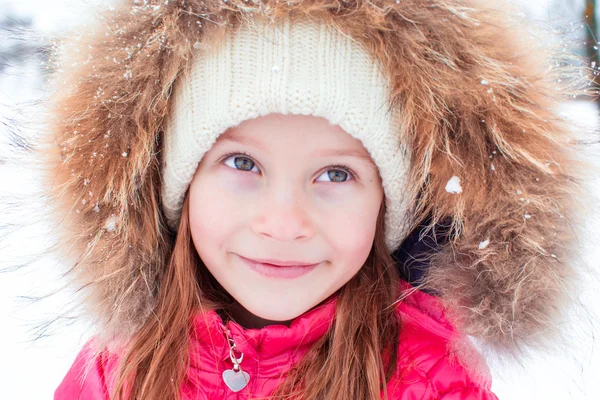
(282, 216)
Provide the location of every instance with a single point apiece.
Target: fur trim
(477, 104)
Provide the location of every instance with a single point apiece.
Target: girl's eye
(240, 162)
(337, 173)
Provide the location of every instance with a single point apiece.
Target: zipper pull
(236, 378)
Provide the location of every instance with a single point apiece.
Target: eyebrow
(243, 140)
(328, 153)
(346, 153)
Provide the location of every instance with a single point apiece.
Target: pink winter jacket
(427, 368)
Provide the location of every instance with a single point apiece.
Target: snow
(453, 185)
(111, 223)
(569, 370)
(33, 369)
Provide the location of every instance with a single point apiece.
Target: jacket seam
(217, 373)
(442, 392)
(438, 392)
(453, 389)
(427, 322)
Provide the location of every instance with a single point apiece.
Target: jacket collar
(270, 341)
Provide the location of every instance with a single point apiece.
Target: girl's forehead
(307, 131)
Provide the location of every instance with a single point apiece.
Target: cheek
(353, 232)
(351, 227)
(219, 204)
(217, 198)
(211, 217)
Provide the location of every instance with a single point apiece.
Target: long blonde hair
(353, 360)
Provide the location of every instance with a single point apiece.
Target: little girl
(238, 179)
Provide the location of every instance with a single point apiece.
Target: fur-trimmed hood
(479, 112)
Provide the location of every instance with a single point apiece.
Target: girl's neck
(237, 313)
(246, 319)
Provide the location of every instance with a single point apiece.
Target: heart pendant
(236, 381)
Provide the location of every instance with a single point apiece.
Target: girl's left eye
(243, 162)
(337, 173)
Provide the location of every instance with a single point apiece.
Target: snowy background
(32, 369)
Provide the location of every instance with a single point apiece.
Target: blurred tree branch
(591, 42)
(19, 43)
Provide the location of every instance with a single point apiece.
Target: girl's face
(285, 188)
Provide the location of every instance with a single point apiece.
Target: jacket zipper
(236, 378)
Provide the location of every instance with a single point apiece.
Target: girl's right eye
(240, 162)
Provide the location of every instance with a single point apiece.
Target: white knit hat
(289, 68)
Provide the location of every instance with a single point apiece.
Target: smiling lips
(279, 269)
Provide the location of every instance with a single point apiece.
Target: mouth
(279, 269)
